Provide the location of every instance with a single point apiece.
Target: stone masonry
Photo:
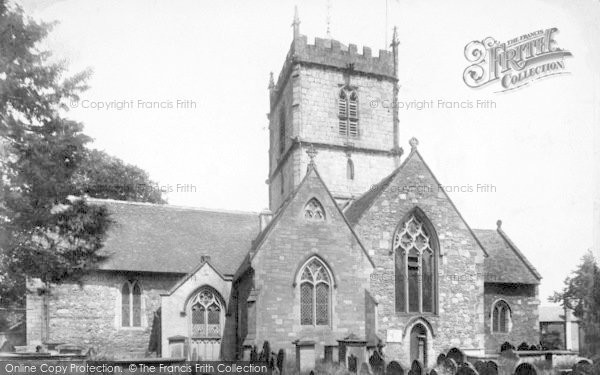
(304, 102)
(458, 321)
(276, 262)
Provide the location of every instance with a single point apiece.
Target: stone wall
(176, 310)
(458, 321)
(89, 314)
(523, 302)
(290, 243)
(308, 96)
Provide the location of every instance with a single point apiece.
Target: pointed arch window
(350, 169)
(501, 317)
(313, 211)
(206, 309)
(315, 293)
(131, 304)
(415, 267)
(348, 112)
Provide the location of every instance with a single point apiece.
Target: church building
(359, 247)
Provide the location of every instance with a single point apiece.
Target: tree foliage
(47, 232)
(101, 175)
(581, 294)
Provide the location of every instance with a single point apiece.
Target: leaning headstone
(377, 363)
(440, 359)
(364, 369)
(416, 368)
(526, 369)
(394, 368)
(449, 366)
(457, 355)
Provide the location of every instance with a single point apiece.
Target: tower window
(281, 132)
(348, 112)
(350, 169)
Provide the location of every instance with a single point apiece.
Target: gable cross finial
(312, 152)
(414, 143)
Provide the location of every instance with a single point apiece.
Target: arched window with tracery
(348, 112)
(315, 289)
(131, 304)
(415, 266)
(501, 317)
(206, 308)
(313, 211)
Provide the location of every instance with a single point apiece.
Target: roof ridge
(171, 206)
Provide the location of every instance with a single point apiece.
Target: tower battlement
(332, 54)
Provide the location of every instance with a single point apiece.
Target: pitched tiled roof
(506, 263)
(161, 238)
(357, 208)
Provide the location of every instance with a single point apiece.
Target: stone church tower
(338, 101)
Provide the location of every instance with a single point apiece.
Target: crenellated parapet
(331, 54)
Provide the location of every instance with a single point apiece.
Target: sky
(191, 79)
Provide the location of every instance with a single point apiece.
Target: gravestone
(416, 368)
(489, 368)
(352, 362)
(583, 367)
(493, 364)
(440, 359)
(280, 360)
(457, 355)
(394, 368)
(449, 366)
(433, 372)
(526, 369)
(479, 365)
(377, 363)
(506, 345)
(466, 369)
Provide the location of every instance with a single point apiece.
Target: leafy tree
(582, 295)
(46, 232)
(101, 175)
